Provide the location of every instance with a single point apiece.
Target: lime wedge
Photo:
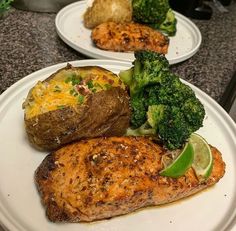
(203, 161)
(180, 164)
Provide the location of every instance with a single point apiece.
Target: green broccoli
(154, 115)
(138, 117)
(173, 129)
(173, 91)
(162, 106)
(194, 113)
(148, 68)
(150, 11)
(168, 26)
(155, 13)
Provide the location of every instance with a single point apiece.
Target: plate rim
(80, 49)
(12, 224)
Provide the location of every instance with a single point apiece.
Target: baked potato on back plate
(101, 11)
(76, 103)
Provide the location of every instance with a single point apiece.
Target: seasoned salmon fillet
(129, 37)
(105, 177)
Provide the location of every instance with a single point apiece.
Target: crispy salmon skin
(125, 37)
(105, 177)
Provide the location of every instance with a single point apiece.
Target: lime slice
(181, 163)
(203, 161)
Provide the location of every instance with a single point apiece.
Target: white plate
(70, 27)
(20, 207)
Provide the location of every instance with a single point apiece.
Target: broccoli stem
(143, 130)
(126, 76)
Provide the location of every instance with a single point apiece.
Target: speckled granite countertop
(29, 42)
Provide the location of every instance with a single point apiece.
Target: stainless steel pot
(41, 5)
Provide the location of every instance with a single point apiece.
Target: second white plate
(70, 28)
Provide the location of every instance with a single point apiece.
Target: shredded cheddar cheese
(68, 91)
(50, 96)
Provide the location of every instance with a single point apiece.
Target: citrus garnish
(181, 163)
(203, 161)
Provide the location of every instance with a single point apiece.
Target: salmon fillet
(105, 177)
(129, 37)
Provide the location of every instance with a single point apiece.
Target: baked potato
(76, 103)
(119, 11)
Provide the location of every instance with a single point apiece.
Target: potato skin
(105, 113)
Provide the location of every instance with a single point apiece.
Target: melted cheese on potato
(70, 90)
(49, 97)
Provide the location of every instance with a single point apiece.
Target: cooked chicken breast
(129, 37)
(105, 177)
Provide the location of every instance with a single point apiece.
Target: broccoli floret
(151, 95)
(148, 68)
(155, 114)
(152, 117)
(155, 13)
(168, 26)
(174, 92)
(173, 130)
(162, 106)
(138, 116)
(150, 11)
(194, 113)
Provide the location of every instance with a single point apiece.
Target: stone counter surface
(29, 42)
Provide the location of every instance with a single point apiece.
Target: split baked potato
(76, 103)
(101, 11)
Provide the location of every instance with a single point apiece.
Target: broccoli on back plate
(168, 26)
(161, 104)
(150, 11)
(155, 13)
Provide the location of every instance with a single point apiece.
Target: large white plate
(70, 27)
(20, 206)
